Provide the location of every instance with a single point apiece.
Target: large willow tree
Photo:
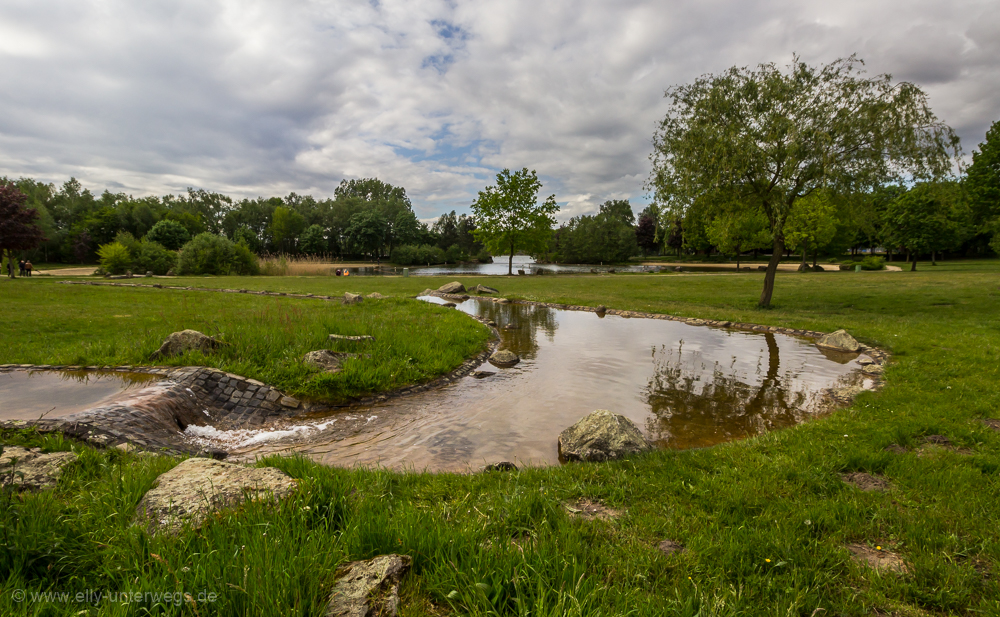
(765, 137)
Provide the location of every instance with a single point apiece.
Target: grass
(266, 337)
(764, 520)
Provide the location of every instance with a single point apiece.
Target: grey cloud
(265, 97)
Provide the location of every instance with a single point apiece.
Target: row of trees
(365, 218)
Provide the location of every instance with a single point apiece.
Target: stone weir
(154, 417)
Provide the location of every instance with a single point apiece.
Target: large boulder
(601, 436)
(504, 358)
(483, 289)
(350, 298)
(840, 341)
(368, 588)
(452, 288)
(184, 341)
(196, 488)
(31, 470)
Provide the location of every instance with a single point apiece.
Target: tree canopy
(509, 218)
(19, 230)
(765, 137)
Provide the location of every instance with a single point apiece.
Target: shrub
(208, 253)
(114, 258)
(154, 257)
(127, 240)
(872, 262)
(484, 257)
(417, 255)
(455, 254)
(170, 234)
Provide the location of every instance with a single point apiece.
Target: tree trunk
(510, 261)
(772, 269)
(815, 255)
(933, 258)
(913, 264)
(801, 266)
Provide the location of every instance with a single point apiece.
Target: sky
(262, 98)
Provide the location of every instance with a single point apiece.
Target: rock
(149, 274)
(184, 341)
(761, 268)
(803, 268)
(375, 296)
(504, 358)
(288, 401)
(846, 393)
(452, 288)
(839, 340)
(33, 470)
(601, 436)
(326, 360)
(491, 323)
(600, 308)
(197, 487)
(368, 588)
(865, 360)
(345, 337)
(501, 466)
(501, 300)
(449, 305)
(482, 374)
(678, 269)
(170, 272)
(350, 298)
(427, 292)
(483, 289)
(873, 369)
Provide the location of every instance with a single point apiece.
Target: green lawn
(764, 520)
(266, 337)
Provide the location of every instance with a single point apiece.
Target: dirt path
(784, 267)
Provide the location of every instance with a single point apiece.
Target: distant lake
(497, 268)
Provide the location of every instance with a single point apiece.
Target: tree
(170, 234)
(286, 225)
(982, 183)
(509, 217)
(620, 209)
(18, 228)
(919, 220)
(604, 238)
(645, 234)
(811, 226)
(313, 240)
(211, 254)
(737, 231)
(114, 257)
(765, 138)
(367, 232)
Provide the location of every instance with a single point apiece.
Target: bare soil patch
(586, 509)
(877, 558)
(866, 482)
(896, 449)
(669, 547)
(992, 423)
(934, 443)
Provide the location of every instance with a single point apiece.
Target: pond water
(684, 386)
(29, 395)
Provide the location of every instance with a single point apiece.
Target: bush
(154, 257)
(211, 254)
(455, 254)
(170, 234)
(484, 257)
(408, 255)
(114, 258)
(127, 240)
(872, 262)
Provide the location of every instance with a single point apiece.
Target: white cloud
(262, 97)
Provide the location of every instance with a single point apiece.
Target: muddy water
(684, 386)
(29, 395)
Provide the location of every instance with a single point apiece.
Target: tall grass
(299, 265)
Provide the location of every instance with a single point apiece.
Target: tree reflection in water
(694, 404)
(527, 321)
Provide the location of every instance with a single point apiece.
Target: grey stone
(33, 470)
(483, 289)
(368, 588)
(350, 298)
(601, 436)
(452, 288)
(504, 358)
(287, 401)
(865, 360)
(183, 341)
(839, 340)
(873, 369)
(197, 487)
(345, 337)
(375, 296)
(325, 360)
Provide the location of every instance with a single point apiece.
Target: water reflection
(30, 395)
(686, 386)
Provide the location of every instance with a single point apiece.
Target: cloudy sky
(258, 97)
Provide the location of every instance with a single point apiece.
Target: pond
(685, 387)
(30, 395)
